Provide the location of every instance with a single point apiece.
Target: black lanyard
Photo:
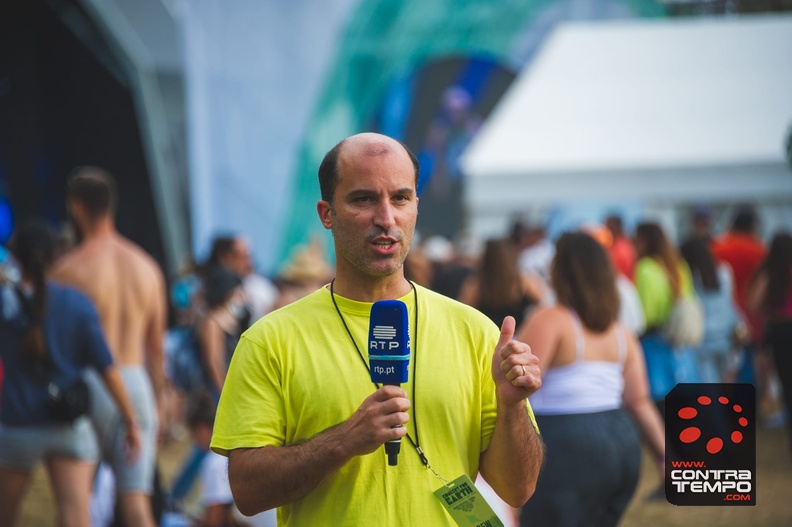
(416, 444)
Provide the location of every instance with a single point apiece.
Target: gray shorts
(139, 475)
(23, 447)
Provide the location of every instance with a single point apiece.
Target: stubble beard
(368, 264)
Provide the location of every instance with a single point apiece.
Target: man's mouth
(384, 244)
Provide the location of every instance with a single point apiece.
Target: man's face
(374, 209)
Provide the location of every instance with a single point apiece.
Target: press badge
(466, 505)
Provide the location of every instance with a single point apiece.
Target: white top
(215, 489)
(261, 295)
(583, 386)
(631, 313)
(537, 258)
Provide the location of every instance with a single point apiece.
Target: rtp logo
(711, 444)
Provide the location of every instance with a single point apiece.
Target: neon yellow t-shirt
(654, 290)
(296, 373)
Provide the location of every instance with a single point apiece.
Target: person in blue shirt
(49, 335)
(713, 282)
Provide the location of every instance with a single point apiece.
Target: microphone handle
(393, 446)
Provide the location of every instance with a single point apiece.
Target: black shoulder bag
(67, 404)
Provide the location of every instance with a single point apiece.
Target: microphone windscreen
(389, 342)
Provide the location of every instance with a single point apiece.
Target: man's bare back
(127, 288)
(128, 291)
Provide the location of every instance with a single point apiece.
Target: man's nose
(384, 216)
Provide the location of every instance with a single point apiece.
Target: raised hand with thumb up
(514, 368)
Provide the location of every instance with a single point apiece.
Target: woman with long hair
(713, 283)
(594, 380)
(499, 289)
(661, 269)
(770, 295)
(662, 278)
(49, 335)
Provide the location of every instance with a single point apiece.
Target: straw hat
(307, 264)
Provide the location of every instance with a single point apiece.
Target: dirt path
(773, 509)
(773, 502)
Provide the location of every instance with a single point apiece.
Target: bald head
(355, 148)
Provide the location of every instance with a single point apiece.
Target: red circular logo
(693, 433)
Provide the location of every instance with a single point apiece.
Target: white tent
(663, 112)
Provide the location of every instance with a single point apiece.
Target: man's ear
(325, 211)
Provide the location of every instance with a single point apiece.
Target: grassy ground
(773, 509)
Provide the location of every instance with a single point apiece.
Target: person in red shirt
(744, 251)
(621, 249)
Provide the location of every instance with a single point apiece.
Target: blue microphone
(389, 352)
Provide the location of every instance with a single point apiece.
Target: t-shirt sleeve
(251, 412)
(489, 407)
(651, 293)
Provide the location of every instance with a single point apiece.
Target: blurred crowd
(725, 273)
(598, 306)
(717, 308)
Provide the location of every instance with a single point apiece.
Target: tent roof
(655, 95)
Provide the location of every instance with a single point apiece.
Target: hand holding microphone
(389, 353)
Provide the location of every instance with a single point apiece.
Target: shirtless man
(128, 290)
